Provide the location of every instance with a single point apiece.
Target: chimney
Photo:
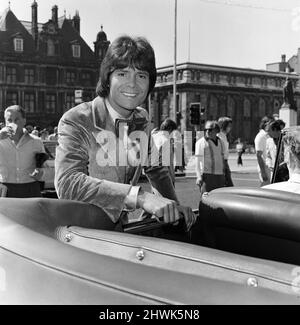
(55, 14)
(76, 21)
(283, 58)
(34, 22)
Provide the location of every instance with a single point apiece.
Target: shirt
(223, 137)
(271, 151)
(292, 185)
(260, 143)
(131, 199)
(17, 162)
(211, 156)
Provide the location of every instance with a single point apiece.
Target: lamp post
(175, 63)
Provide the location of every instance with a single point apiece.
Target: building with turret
(43, 64)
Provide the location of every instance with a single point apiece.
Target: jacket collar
(103, 121)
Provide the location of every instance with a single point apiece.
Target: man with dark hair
(209, 154)
(225, 124)
(94, 160)
(274, 132)
(260, 142)
(18, 173)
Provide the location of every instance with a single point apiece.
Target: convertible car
(60, 252)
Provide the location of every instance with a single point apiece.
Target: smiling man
(93, 145)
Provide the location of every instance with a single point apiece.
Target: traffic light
(202, 110)
(178, 118)
(195, 113)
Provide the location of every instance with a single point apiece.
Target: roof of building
(101, 36)
(190, 65)
(10, 26)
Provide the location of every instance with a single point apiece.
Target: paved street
(188, 191)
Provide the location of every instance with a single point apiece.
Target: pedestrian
(274, 131)
(164, 144)
(210, 163)
(35, 132)
(44, 134)
(53, 136)
(18, 151)
(225, 124)
(240, 150)
(260, 142)
(87, 166)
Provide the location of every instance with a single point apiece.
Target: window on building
(50, 103)
(247, 108)
(70, 77)
(86, 79)
(11, 75)
(76, 51)
(50, 47)
(11, 98)
(18, 44)
(262, 107)
(29, 102)
(70, 101)
(51, 76)
(29, 76)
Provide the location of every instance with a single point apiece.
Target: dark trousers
(23, 190)
(228, 179)
(211, 182)
(239, 160)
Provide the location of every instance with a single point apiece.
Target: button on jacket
(83, 132)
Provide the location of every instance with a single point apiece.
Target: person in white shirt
(291, 142)
(209, 154)
(18, 173)
(54, 135)
(260, 148)
(225, 124)
(164, 143)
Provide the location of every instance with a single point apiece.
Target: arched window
(262, 108)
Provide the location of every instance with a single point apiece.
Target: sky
(237, 33)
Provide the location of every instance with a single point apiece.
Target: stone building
(246, 95)
(42, 64)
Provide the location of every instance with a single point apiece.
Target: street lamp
(175, 59)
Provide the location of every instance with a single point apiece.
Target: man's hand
(199, 181)
(189, 216)
(265, 177)
(158, 206)
(6, 132)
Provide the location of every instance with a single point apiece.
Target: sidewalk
(249, 165)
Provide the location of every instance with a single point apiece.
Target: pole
(189, 53)
(175, 63)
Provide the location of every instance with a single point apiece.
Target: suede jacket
(80, 173)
